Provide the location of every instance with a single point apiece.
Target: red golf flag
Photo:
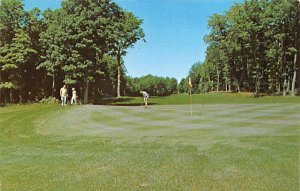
(190, 83)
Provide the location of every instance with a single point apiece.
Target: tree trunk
(238, 87)
(53, 84)
(81, 93)
(0, 90)
(218, 80)
(10, 96)
(21, 98)
(278, 87)
(293, 83)
(257, 78)
(284, 87)
(241, 79)
(288, 87)
(298, 47)
(208, 85)
(257, 89)
(294, 75)
(298, 76)
(86, 92)
(119, 82)
(257, 85)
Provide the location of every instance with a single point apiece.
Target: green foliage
(254, 43)
(49, 100)
(51, 42)
(78, 44)
(11, 13)
(126, 31)
(251, 47)
(19, 51)
(183, 85)
(14, 61)
(155, 86)
(7, 85)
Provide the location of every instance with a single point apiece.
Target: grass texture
(220, 146)
(208, 98)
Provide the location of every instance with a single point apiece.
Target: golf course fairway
(162, 147)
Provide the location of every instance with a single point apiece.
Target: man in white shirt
(63, 94)
(146, 96)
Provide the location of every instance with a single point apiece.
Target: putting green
(156, 121)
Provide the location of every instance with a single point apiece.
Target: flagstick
(191, 103)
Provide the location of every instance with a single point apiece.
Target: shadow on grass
(120, 102)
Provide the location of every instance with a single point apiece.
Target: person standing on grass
(74, 97)
(63, 94)
(146, 96)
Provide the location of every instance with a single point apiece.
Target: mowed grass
(219, 147)
(208, 98)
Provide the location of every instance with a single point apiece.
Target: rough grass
(220, 147)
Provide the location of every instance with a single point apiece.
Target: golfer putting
(146, 96)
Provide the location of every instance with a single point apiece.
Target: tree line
(154, 85)
(253, 47)
(80, 44)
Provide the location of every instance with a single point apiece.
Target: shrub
(49, 100)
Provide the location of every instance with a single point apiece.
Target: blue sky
(174, 31)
